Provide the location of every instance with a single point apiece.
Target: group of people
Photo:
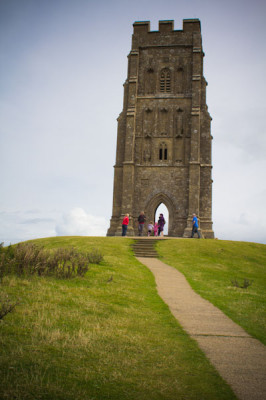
(156, 228)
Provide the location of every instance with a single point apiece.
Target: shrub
(245, 285)
(67, 263)
(28, 258)
(95, 257)
(5, 256)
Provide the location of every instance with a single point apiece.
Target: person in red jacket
(125, 224)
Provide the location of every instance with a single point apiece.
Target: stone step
(145, 248)
(145, 255)
(151, 253)
(140, 246)
(137, 248)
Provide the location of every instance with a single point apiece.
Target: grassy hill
(109, 336)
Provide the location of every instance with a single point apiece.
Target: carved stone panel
(180, 80)
(179, 123)
(148, 122)
(147, 150)
(150, 81)
(163, 122)
(179, 149)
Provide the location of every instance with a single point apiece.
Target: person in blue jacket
(195, 226)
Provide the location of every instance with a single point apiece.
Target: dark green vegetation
(214, 267)
(106, 335)
(30, 259)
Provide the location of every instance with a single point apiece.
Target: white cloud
(17, 226)
(22, 225)
(243, 226)
(78, 222)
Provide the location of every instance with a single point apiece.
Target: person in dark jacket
(141, 221)
(161, 223)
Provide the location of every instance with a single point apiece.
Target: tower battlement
(189, 25)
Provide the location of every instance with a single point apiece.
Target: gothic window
(163, 152)
(165, 81)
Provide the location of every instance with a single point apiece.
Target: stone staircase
(145, 248)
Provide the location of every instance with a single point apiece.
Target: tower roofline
(189, 25)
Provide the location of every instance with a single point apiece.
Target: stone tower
(163, 142)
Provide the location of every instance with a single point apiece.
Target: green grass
(105, 336)
(210, 266)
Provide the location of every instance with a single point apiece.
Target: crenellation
(191, 25)
(166, 26)
(141, 27)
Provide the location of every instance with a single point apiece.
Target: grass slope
(211, 265)
(105, 336)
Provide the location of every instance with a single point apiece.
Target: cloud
(21, 225)
(34, 221)
(16, 226)
(241, 227)
(78, 222)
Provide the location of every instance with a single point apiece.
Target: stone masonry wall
(164, 140)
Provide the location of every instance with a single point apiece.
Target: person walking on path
(125, 225)
(161, 223)
(141, 221)
(195, 226)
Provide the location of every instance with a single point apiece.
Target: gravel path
(239, 358)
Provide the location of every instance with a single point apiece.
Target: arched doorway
(162, 209)
(153, 205)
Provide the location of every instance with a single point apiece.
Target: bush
(95, 257)
(29, 259)
(5, 256)
(245, 285)
(67, 263)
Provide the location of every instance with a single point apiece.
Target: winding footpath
(239, 358)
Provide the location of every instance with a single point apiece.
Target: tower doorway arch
(153, 205)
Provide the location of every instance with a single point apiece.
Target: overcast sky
(62, 68)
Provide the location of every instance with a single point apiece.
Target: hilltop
(108, 335)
